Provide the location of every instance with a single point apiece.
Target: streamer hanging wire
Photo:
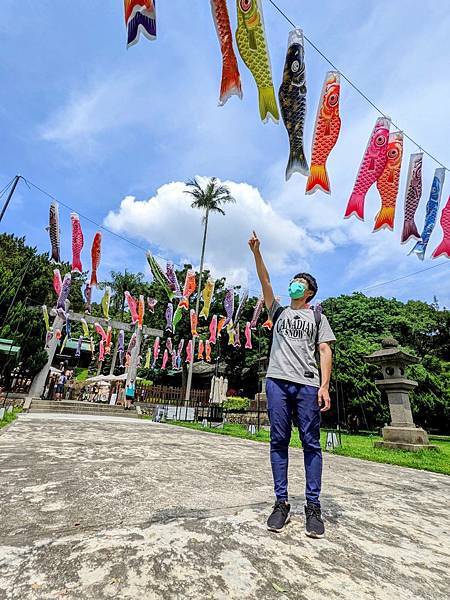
(355, 87)
(256, 292)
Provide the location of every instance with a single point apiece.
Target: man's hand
(254, 243)
(324, 399)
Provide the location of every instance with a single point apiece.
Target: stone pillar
(38, 385)
(401, 433)
(114, 358)
(132, 371)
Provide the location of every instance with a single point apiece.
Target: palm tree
(119, 284)
(208, 198)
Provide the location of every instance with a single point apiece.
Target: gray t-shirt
(294, 345)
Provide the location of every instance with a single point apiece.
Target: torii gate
(38, 385)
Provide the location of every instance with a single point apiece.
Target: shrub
(235, 403)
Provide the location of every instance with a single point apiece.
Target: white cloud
(168, 222)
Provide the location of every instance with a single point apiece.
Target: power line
(5, 189)
(256, 292)
(355, 87)
(403, 276)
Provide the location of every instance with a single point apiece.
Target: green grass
(356, 446)
(9, 417)
(81, 374)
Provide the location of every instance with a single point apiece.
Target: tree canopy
(359, 322)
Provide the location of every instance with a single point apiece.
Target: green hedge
(235, 403)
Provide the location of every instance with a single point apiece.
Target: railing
(19, 383)
(164, 394)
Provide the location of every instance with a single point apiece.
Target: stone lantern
(401, 433)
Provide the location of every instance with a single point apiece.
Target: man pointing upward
(294, 388)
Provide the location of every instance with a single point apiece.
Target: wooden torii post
(38, 385)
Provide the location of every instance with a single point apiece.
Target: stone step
(74, 405)
(60, 410)
(68, 407)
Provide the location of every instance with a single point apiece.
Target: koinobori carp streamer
(54, 232)
(140, 17)
(443, 249)
(412, 197)
(77, 243)
(252, 45)
(326, 134)
(388, 182)
(231, 79)
(431, 213)
(292, 96)
(372, 166)
(96, 253)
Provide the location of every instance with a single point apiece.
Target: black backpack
(317, 310)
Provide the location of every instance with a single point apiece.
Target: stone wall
(247, 418)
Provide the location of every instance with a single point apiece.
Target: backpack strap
(317, 310)
(277, 315)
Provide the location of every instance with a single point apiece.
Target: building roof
(7, 347)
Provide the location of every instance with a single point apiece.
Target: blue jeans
(284, 397)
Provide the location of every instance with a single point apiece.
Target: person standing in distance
(294, 388)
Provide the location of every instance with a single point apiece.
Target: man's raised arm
(262, 271)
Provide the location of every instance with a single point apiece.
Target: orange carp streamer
(388, 182)
(326, 134)
(231, 79)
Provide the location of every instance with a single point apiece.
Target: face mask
(296, 290)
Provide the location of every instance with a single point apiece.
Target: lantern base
(412, 439)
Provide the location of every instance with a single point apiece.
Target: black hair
(312, 283)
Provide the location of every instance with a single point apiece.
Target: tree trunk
(197, 306)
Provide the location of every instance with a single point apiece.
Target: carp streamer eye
(245, 5)
(393, 153)
(380, 140)
(295, 66)
(333, 100)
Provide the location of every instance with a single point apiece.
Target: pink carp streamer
(372, 166)
(248, 337)
(101, 332)
(101, 353)
(156, 350)
(208, 351)
(443, 249)
(132, 306)
(213, 330)
(77, 243)
(189, 353)
(57, 281)
(165, 359)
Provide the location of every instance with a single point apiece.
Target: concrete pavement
(91, 509)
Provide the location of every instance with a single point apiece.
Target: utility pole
(197, 306)
(10, 195)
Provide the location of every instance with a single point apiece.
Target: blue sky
(114, 133)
